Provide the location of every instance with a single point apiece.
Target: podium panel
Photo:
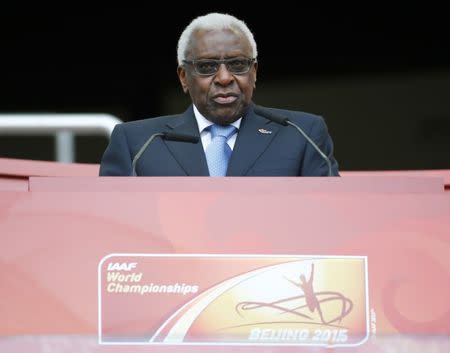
(57, 239)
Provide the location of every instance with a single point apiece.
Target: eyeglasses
(208, 67)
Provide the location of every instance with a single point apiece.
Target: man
(217, 65)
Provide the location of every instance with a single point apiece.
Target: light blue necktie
(218, 152)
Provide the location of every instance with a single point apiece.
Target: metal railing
(62, 126)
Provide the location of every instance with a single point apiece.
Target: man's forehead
(219, 43)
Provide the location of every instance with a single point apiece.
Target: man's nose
(224, 76)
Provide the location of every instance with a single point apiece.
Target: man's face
(223, 96)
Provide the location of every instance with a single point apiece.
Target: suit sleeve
(116, 160)
(313, 163)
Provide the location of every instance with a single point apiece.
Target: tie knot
(225, 131)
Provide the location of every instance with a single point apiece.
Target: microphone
(171, 136)
(266, 113)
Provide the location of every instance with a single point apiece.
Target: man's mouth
(225, 98)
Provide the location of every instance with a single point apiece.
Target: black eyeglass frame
(250, 61)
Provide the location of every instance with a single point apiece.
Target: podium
(58, 232)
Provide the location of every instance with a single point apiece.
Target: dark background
(379, 76)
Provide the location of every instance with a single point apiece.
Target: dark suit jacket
(262, 148)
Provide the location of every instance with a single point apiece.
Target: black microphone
(172, 136)
(285, 122)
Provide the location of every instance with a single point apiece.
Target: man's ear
(182, 77)
(255, 68)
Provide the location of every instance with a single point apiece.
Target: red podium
(352, 264)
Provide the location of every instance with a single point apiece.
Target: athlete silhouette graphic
(308, 290)
(307, 300)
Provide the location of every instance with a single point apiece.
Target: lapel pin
(264, 131)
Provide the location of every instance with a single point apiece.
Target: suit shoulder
(295, 113)
(297, 116)
(148, 123)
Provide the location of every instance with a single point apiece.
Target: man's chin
(225, 114)
(223, 120)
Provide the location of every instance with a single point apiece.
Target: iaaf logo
(116, 266)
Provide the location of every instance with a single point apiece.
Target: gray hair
(213, 21)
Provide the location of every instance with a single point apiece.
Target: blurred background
(379, 76)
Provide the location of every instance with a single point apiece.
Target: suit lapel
(190, 156)
(255, 135)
